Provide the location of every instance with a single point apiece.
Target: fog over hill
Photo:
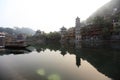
(17, 30)
(108, 9)
(24, 30)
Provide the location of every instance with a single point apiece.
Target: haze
(46, 15)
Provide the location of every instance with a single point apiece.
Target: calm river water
(62, 62)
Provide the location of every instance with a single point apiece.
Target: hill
(109, 9)
(17, 30)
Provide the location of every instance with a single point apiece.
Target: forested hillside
(110, 9)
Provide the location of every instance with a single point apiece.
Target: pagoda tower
(77, 30)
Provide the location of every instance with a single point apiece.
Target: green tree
(53, 36)
(104, 25)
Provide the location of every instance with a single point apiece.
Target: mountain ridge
(106, 10)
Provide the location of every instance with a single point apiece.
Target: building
(116, 31)
(20, 37)
(63, 34)
(77, 30)
(93, 32)
(71, 35)
(2, 39)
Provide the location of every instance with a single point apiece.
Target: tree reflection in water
(104, 57)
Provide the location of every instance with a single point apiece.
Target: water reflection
(14, 51)
(104, 57)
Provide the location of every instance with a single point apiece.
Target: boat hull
(16, 47)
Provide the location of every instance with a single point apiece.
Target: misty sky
(46, 15)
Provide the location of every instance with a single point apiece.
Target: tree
(105, 26)
(53, 36)
(98, 21)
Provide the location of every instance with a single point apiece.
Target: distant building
(63, 34)
(92, 32)
(77, 30)
(72, 34)
(9, 38)
(116, 31)
(20, 37)
(2, 39)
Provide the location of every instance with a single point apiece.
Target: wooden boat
(16, 45)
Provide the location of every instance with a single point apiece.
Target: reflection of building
(78, 57)
(105, 60)
(78, 61)
(78, 45)
(63, 50)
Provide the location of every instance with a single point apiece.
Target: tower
(77, 30)
(63, 34)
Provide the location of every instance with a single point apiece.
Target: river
(90, 61)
